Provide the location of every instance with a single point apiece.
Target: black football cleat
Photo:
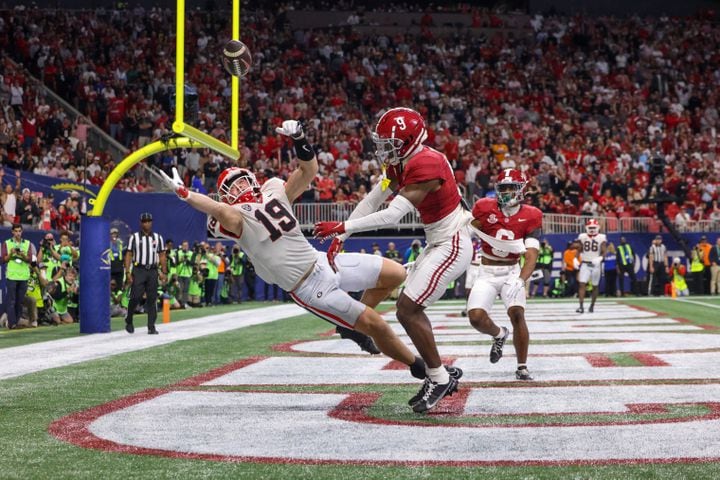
(365, 343)
(523, 374)
(496, 351)
(129, 327)
(580, 310)
(431, 393)
(591, 309)
(455, 374)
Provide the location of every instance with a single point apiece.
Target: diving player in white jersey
(261, 221)
(592, 252)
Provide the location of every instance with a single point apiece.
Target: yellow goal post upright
(95, 230)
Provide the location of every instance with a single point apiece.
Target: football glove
(175, 184)
(324, 230)
(292, 129)
(335, 247)
(514, 285)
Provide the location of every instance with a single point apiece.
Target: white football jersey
(271, 237)
(591, 245)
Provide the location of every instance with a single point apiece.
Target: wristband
(303, 149)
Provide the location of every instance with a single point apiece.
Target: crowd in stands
(581, 105)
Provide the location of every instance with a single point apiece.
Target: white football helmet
(592, 227)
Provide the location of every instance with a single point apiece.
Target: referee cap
(146, 216)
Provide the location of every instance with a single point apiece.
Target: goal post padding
(95, 259)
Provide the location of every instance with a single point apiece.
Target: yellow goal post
(187, 136)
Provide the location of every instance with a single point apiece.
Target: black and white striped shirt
(146, 249)
(658, 253)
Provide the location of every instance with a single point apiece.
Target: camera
(205, 272)
(198, 248)
(236, 250)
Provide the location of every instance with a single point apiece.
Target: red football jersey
(494, 223)
(427, 165)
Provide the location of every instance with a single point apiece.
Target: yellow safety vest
(679, 280)
(17, 269)
(696, 265)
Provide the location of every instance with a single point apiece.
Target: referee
(145, 250)
(657, 265)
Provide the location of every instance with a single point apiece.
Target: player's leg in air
(483, 294)
(392, 274)
(324, 293)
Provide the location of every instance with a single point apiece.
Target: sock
(500, 335)
(522, 365)
(438, 375)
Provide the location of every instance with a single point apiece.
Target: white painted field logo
(618, 386)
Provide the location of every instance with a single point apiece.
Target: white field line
(18, 361)
(699, 303)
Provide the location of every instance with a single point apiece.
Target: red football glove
(335, 247)
(325, 230)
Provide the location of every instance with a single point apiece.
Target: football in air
(236, 58)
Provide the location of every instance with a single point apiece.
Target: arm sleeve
(391, 216)
(367, 205)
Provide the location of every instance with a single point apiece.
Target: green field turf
(28, 404)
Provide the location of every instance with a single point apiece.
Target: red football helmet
(510, 187)
(592, 227)
(398, 133)
(238, 185)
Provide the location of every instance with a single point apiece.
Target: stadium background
(33, 402)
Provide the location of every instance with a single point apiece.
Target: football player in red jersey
(423, 179)
(501, 220)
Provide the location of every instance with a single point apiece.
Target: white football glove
(175, 184)
(597, 261)
(514, 286)
(292, 129)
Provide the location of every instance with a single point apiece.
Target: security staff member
(18, 254)
(625, 264)
(145, 250)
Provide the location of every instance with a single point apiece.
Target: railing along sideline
(310, 213)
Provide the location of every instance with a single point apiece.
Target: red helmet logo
(237, 185)
(592, 227)
(398, 133)
(510, 187)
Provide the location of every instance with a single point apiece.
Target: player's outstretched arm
(301, 178)
(228, 217)
(401, 205)
(369, 204)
